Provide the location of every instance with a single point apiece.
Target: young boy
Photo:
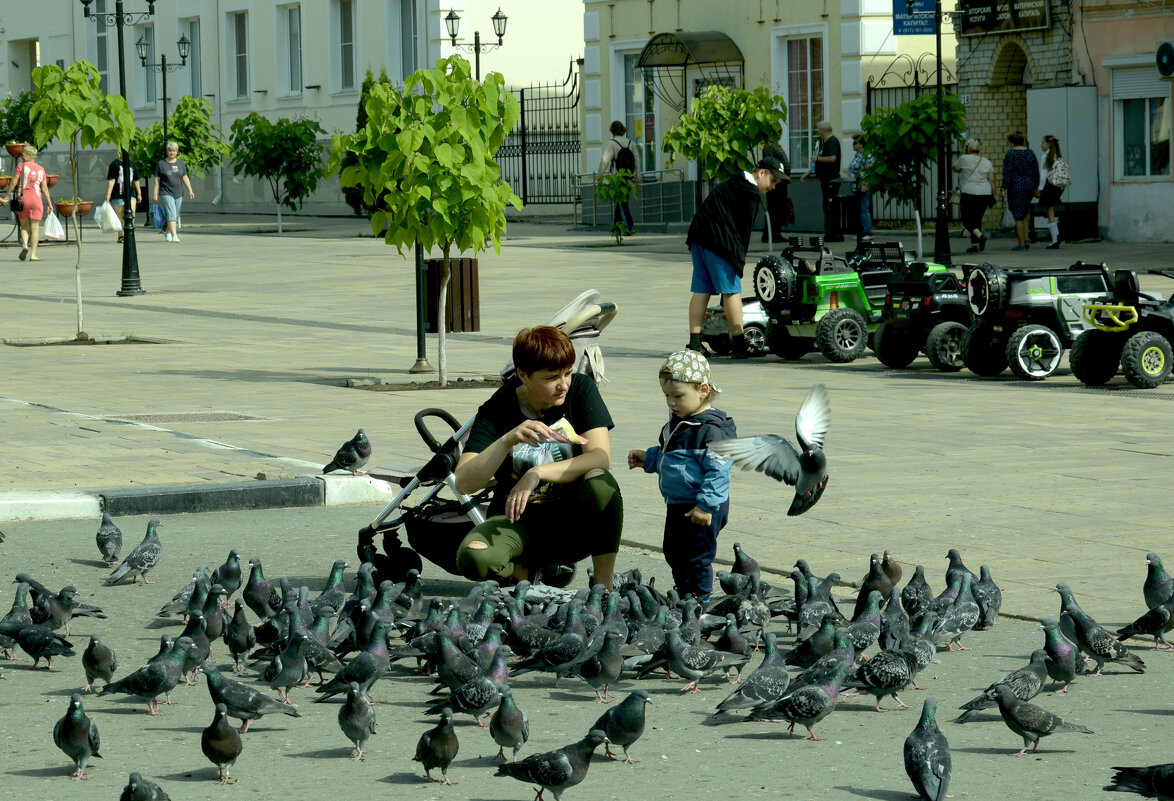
(694, 482)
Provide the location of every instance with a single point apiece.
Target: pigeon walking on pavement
(804, 468)
(989, 598)
(157, 677)
(356, 718)
(1026, 682)
(39, 641)
(765, 685)
(556, 770)
(221, 744)
(228, 575)
(99, 662)
(1158, 585)
(745, 564)
(509, 725)
(142, 559)
(438, 747)
(1152, 781)
(927, 756)
(241, 701)
(1154, 623)
(351, 455)
(1090, 638)
(140, 789)
(916, 595)
(1064, 661)
(239, 637)
(624, 723)
(1030, 721)
(77, 736)
(109, 539)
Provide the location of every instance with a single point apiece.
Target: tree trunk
(77, 235)
(279, 218)
(441, 303)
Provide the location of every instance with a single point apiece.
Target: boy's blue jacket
(688, 473)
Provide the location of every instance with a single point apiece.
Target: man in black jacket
(825, 166)
(718, 238)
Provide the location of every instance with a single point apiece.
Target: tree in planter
(903, 142)
(725, 129)
(284, 153)
(201, 142)
(71, 107)
(428, 152)
(616, 188)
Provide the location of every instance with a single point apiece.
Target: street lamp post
(130, 258)
(453, 23)
(144, 48)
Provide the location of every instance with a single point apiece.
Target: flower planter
(51, 180)
(15, 148)
(4, 181)
(65, 207)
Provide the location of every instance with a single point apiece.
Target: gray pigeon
(556, 770)
(745, 564)
(808, 704)
(191, 595)
(141, 560)
(509, 725)
(438, 747)
(927, 756)
(351, 455)
(221, 743)
(157, 677)
(77, 736)
(916, 595)
(365, 669)
(288, 669)
(693, 662)
(1090, 638)
(1154, 623)
(140, 789)
(806, 469)
(1030, 721)
(1158, 585)
(241, 701)
(602, 669)
(1153, 781)
(1026, 683)
(767, 684)
(228, 575)
(239, 637)
(478, 696)
(39, 641)
(356, 718)
(887, 673)
(623, 724)
(1064, 662)
(99, 662)
(109, 539)
(989, 598)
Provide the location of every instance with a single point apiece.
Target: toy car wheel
(986, 289)
(943, 346)
(1034, 352)
(755, 338)
(1095, 355)
(841, 335)
(774, 283)
(983, 351)
(1147, 359)
(894, 345)
(719, 345)
(788, 347)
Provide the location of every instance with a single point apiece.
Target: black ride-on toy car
(1026, 318)
(927, 312)
(1131, 328)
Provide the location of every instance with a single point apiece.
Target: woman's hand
(635, 459)
(532, 432)
(515, 502)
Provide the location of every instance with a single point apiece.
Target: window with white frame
(1141, 120)
(805, 98)
(195, 61)
(147, 88)
(289, 44)
(409, 41)
(102, 47)
(343, 19)
(640, 111)
(239, 25)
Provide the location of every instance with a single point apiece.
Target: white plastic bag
(107, 218)
(53, 227)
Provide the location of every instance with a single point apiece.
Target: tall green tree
(71, 107)
(201, 142)
(285, 153)
(353, 194)
(427, 151)
(725, 130)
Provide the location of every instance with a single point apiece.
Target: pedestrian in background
(33, 189)
(825, 165)
(1052, 184)
(114, 189)
(976, 191)
(778, 201)
(1020, 182)
(856, 173)
(171, 178)
(620, 154)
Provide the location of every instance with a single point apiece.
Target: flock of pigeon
(472, 647)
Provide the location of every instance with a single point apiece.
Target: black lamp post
(130, 258)
(453, 23)
(144, 48)
(941, 241)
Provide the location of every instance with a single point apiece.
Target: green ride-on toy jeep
(818, 301)
(1131, 328)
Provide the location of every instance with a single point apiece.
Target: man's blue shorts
(713, 275)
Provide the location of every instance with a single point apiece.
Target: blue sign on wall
(921, 23)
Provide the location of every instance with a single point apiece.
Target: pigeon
(809, 651)
(887, 673)
(1025, 682)
(927, 756)
(478, 696)
(201, 645)
(99, 662)
(556, 770)
(77, 736)
(1158, 585)
(365, 669)
(288, 669)
(893, 619)
(59, 609)
(109, 539)
(805, 469)
(1090, 638)
(351, 455)
(39, 641)
(140, 789)
(213, 614)
(17, 618)
(157, 677)
(1153, 781)
(256, 591)
(744, 564)
(221, 743)
(693, 662)
(228, 575)
(241, 701)
(917, 594)
(875, 580)
(1030, 721)
(190, 596)
(333, 594)
(808, 704)
(960, 617)
(509, 725)
(623, 724)
(604, 668)
(141, 559)
(239, 637)
(1064, 661)
(768, 682)
(892, 568)
(356, 718)
(865, 627)
(989, 598)
(1155, 623)
(438, 747)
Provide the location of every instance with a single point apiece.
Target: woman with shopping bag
(116, 193)
(31, 191)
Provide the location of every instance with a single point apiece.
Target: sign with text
(1002, 16)
(919, 23)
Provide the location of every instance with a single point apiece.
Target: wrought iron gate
(540, 158)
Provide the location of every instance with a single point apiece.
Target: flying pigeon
(509, 725)
(77, 736)
(623, 724)
(140, 789)
(109, 539)
(99, 662)
(356, 718)
(142, 559)
(556, 770)
(1030, 721)
(351, 455)
(1154, 781)
(241, 701)
(221, 743)
(438, 747)
(927, 756)
(805, 469)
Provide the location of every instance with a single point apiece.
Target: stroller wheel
(395, 566)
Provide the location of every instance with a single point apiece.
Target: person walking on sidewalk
(171, 178)
(856, 169)
(114, 189)
(30, 184)
(1020, 182)
(719, 236)
(825, 165)
(1054, 180)
(620, 154)
(976, 191)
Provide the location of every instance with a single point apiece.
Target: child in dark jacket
(694, 482)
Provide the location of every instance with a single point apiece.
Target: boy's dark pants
(689, 548)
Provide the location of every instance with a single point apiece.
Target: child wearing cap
(694, 482)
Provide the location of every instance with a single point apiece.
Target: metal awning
(668, 57)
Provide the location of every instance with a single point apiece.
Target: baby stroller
(435, 525)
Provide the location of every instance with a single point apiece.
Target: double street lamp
(144, 48)
(118, 19)
(453, 23)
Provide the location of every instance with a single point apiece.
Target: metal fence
(540, 158)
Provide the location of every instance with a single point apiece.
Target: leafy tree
(201, 142)
(904, 144)
(428, 152)
(14, 117)
(71, 107)
(285, 153)
(725, 128)
(616, 188)
(352, 194)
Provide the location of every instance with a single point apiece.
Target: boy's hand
(699, 517)
(635, 459)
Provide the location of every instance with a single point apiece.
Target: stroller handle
(425, 434)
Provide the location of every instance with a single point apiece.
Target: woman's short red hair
(543, 347)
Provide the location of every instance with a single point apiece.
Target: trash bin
(846, 210)
(462, 311)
